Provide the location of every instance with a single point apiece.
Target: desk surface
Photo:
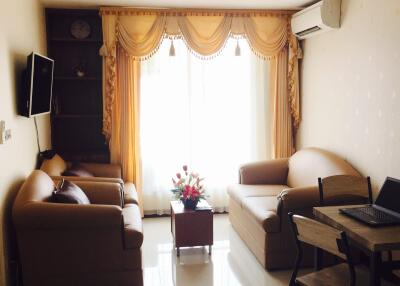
(375, 239)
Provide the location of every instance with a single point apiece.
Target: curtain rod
(192, 11)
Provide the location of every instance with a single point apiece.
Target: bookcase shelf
(72, 40)
(76, 120)
(77, 78)
(75, 116)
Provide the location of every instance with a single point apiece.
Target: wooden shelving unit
(76, 119)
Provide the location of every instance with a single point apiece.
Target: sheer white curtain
(208, 114)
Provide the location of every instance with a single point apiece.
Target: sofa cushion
(69, 193)
(306, 165)
(264, 210)
(55, 166)
(133, 231)
(77, 170)
(238, 192)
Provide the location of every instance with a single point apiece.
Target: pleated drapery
(131, 35)
(282, 139)
(124, 145)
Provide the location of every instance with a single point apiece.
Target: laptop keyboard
(377, 214)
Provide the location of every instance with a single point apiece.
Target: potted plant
(188, 188)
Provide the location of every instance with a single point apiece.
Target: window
(208, 114)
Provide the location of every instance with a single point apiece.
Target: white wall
(22, 30)
(350, 88)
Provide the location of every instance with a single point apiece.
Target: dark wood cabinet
(76, 118)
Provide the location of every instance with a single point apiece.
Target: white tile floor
(231, 262)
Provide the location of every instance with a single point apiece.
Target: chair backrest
(306, 165)
(54, 166)
(337, 189)
(320, 235)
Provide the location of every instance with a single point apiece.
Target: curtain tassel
(172, 49)
(237, 49)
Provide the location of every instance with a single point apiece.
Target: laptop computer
(385, 210)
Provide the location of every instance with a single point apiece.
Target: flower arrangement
(188, 188)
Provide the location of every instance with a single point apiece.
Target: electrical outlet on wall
(7, 134)
(4, 134)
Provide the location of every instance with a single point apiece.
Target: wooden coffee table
(191, 227)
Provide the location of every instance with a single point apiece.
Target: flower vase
(190, 204)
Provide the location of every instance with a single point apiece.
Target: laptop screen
(389, 196)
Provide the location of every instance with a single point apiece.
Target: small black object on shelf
(48, 154)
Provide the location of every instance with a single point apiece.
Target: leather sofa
(267, 191)
(56, 166)
(72, 244)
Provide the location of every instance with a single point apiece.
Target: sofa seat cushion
(133, 229)
(239, 192)
(130, 194)
(264, 211)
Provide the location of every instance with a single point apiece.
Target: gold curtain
(131, 35)
(124, 139)
(282, 134)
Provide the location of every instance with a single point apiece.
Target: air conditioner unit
(318, 18)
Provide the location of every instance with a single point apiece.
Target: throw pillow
(69, 193)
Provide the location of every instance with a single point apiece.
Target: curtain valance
(139, 32)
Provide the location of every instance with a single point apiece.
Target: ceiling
(223, 4)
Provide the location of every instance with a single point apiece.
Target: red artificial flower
(187, 187)
(187, 191)
(195, 193)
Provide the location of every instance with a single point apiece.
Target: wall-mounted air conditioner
(318, 18)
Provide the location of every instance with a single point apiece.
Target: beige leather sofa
(268, 191)
(71, 244)
(56, 166)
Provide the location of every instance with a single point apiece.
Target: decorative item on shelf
(80, 70)
(188, 188)
(80, 29)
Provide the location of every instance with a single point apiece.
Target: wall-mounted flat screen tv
(38, 89)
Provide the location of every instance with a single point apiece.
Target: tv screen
(39, 85)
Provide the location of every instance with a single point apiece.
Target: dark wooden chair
(344, 189)
(331, 240)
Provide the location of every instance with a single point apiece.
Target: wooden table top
(178, 207)
(373, 238)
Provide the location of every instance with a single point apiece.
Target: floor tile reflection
(230, 264)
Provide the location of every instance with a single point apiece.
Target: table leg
(178, 252)
(317, 259)
(209, 249)
(374, 268)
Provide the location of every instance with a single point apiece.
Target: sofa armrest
(39, 215)
(299, 198)
(133, 228)
(103, 170)
(264, 172)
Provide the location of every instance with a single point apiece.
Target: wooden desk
(191, 228)
(371, 240)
